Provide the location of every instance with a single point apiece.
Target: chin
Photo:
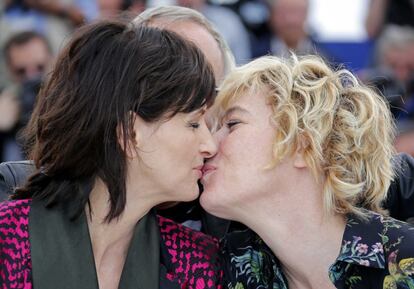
(189, 195)
(213, 210)
(216, 201)
(209, 202)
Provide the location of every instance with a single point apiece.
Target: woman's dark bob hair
(108, 70)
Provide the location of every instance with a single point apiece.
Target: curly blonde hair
(344, 127)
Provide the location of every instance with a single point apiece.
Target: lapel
(61, 250)
(142, 265)
(62, 256)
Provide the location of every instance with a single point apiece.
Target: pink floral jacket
(42, 248)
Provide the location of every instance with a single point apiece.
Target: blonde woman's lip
(207, 168)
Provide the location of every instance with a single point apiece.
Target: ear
(137, 135)
(299, 161)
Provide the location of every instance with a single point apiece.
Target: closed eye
(194, 125)
(232, 123)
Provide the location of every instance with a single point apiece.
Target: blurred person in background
(228, 23)
(395, 50)
(111, 8)
(56, 19)
(288, 30)
(28, 58)
(393, 75)
(388, 12)
(288, 23)
(67, 9)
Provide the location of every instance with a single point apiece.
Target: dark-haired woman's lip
(199, 171)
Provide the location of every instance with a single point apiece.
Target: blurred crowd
(33, 31)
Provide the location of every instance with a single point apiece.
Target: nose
(208, 146)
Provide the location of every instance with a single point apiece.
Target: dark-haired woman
(118, 129)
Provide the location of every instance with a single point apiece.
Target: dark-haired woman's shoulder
(190, 257)
(15, 262)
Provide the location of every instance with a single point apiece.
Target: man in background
(28, 58)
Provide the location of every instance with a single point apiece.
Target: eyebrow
(200, 111)
(234, 109)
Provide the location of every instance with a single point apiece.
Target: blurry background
(374, 38)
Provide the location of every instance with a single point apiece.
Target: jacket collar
(62, 256)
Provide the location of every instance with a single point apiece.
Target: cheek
(183, 155)
(245, 161)
(231, 185)
(173, 157)
(235, 162)
(178, 142)
(247, 150)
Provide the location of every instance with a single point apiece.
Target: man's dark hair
(109, 72)
(22, 38)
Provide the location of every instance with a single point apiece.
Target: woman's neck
(111, 240)
(308, 251)
(305, 241)
(116, 233)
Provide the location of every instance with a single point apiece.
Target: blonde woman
(304, 160)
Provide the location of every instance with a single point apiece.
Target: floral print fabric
(375, 253)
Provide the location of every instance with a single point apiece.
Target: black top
(378, 253)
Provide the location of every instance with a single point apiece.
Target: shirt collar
(362, 242)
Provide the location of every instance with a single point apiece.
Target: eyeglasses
(22, 72)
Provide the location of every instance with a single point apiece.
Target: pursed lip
(207, 168)
(199, 170)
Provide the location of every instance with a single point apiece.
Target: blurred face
(288, 19)
(29, 61)
(401, 62)
(109, 8)
(237, 174)
(170, 156)
(193, 4)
